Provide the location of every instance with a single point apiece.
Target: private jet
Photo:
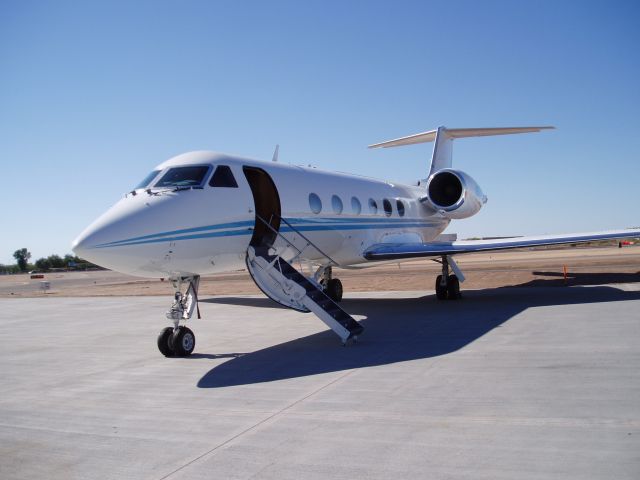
(202, 213)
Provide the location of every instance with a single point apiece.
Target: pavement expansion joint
(253, 427)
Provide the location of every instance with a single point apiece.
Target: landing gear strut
(332, 287)
(447, 286)
(179, 341)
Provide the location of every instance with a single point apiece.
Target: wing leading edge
(389, 251)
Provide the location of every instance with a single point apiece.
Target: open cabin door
(277, 278)
(266, 206)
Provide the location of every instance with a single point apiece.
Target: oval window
(356, 208)
(315, 203)
(336, 204)
(388, 210)
(400, 207)
(373, 206)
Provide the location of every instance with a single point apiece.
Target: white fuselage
(169, 232)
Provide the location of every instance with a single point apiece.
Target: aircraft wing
(389, 251)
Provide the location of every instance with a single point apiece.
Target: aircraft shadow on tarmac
(396, 330)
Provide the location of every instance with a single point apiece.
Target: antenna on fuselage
(275, 154)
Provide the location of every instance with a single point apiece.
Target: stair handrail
(278, 233)
(309, 242)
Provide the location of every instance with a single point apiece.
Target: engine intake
(454, 194)
(445, 189)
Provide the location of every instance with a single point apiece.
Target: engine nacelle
(454, 194)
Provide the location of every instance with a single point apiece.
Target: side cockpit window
(147, 180)
(223, 177)
(183, 177)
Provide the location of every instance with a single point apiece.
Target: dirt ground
(585, 266)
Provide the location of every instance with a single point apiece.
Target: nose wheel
(176, 343)
(165, 345)
(183, 341)
(179, 341)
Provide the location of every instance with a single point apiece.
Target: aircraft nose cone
(94, 242)
(77, 246)
(85, 246)
(113, 239)
(80, 246)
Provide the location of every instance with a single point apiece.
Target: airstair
(280, 281)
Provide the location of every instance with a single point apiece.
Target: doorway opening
(266, 205)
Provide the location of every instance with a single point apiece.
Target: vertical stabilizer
(442, 151)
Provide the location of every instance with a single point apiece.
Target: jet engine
(454, 194)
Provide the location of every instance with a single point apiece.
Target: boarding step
(281, 282)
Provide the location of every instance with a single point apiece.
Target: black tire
(334, 289)
(441, 290)
(164, 342)
(453, 288)
(183, 342)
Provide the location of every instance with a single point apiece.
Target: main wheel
(183, 342)
(164, 342)
(453, 288)
(334, 289)
(441, 290)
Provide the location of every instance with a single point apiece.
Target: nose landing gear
(179, 341)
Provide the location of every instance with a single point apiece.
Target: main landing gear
(179, 341)
(447, 286)
(332, 287)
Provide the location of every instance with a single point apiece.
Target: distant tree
(43, 264)
(6, 269)
(80, 263)
(55, 261)
(22, 256)
(76, 263)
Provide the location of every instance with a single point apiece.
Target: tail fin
(444, 137)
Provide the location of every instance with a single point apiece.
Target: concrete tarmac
(507, 383)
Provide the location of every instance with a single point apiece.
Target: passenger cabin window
(388, 210)
(147, 180)
(336, 204)
(356, 208)
(373, 206)
(400, 207)
(315, 203)
(223, 177)
(183, 177)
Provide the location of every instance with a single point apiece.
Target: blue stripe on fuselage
(325, 224)
(185, 230)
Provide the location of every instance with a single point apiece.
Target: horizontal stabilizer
(436, 249)
(452, 133)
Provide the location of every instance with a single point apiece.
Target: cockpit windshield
(183, 177)
(147, 180)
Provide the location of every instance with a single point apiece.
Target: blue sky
(94, 94)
